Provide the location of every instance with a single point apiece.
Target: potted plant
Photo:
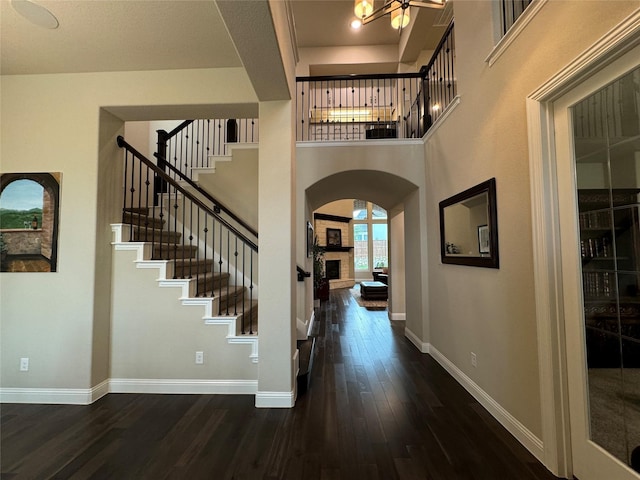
(320, 281)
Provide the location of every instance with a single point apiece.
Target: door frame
(547, 261)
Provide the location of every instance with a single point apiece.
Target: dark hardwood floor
(376, 409)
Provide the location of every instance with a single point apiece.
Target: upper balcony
(363, 107)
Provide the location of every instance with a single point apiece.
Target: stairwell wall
(54, 122)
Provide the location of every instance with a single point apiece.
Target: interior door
(597, 137)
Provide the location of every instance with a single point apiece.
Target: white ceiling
(119, 35)
(98, 36)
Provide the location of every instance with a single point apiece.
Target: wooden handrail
(122, 143)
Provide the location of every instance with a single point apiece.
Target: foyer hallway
(376, 409)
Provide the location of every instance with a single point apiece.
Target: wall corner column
(276, 277)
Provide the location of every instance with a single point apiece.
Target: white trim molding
(183, 386)
(514, 32)
(508, 421)
(397, 316)
(62, 396)
(275, 399)
(546, 236)
(419, 344)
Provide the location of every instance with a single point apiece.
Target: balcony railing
(363, 107)
(510, 11)
(194, 143)
(356, 107)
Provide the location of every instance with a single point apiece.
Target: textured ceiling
(325, 23)
(99, 36)
(124, 35)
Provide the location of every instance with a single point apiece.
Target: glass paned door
(604, 363)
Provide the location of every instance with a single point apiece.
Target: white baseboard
(63, 396)
(413, 338)
(397, 316)
(99, 390)
(180, 386)
(508, 421)
(275, 399)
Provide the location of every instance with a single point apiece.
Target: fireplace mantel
(334, 248)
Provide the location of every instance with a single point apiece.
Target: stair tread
(167, 238)
(173, 250)
(141, 219)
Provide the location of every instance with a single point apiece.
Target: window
(510, 11)
(370, 236)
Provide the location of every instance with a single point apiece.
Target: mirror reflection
(468, 227)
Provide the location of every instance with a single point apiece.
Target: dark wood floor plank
(376, 409)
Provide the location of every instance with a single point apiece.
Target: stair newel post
(251, 289)
(124, 190)
(160, 186)
(213, 256)
(235, 280)
(132, 188)
(175, 223)
(220, 268)
(228, 266)
(204, 231)
(244, 271)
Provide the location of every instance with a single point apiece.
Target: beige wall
(149, 345)
(64, 328)
(492, 312)
(235, 184)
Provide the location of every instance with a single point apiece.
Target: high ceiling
(117, 35)
(99, 36)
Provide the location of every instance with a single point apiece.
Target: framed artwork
(334, 237)
(30, 206)
(483, 239)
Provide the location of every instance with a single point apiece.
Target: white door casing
(549, 191)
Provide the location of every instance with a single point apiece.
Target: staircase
(198, 245)
(228, 299)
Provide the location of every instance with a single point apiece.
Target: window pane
(359, 209)
(380, 250)
(360, 246)
(378, 212)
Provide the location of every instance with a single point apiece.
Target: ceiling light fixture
(398, 10)
(36, 14)
(356, 23)
(363, 8)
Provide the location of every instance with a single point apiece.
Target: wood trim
(331, 248)
(331, 218)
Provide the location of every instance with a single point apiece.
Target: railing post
(232, 130)
(425, 104)
(159, 185)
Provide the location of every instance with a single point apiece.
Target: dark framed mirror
(469, 227)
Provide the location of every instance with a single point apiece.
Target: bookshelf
(609, 224)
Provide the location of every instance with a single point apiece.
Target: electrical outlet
(199, 358)
(24, 364)
(474, 360)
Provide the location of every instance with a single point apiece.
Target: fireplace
(332, 268)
